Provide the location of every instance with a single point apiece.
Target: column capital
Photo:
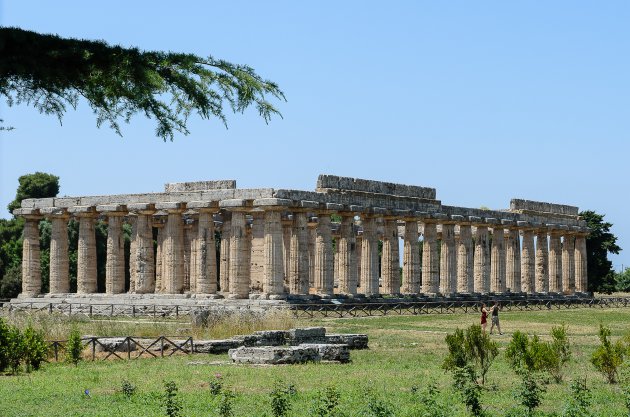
(141, 208)
(55, 212)
(203, 206)
(83, 211)
(112, 210)
(171, 207)
(28, 213)
(272, 204)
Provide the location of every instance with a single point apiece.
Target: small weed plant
(281, 399)
(216, 384)
(127, 388)
(608, 357)
(74, 347)
(579, 402)
(326, 403)
(172, 404)
(226, 403)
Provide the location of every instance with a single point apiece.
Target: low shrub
(608, 357)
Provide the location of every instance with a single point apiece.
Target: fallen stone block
(354, 341)
(307, 335)
(215, 346)
(114, 344)
(274, 355)
(265, 338)
(331, 352)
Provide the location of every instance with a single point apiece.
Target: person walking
(495, 317)
(484, 317)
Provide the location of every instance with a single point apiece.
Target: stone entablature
(279, 242)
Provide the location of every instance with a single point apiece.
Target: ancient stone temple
(275, 243)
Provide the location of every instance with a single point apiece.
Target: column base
(207, 296)
(29, 295)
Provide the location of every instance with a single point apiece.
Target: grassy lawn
(405, 353)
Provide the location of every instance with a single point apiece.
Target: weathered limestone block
(411, 259)
(31, 267)
(306, 335)
(527, 262)
(273, 254)
(555, 262)
(115, 344)
(199, 186)
(265, 338)
(542, 261)
(299, 262)
(568, 264)
(430, 260)
(497, 261)
(199, 317)
(369, 186)
(390, 262)
(354, 341)
(215, 346)
(115, 262)
(59, 267)
(369, 257)
(347, 256)
(482, 261)
(581, 273)
(448, 260)
(527, 205)
(324, 257)
(274, 355)
(513, 260)
(330, 352)
(465, 282)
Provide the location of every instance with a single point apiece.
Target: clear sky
(485, 101)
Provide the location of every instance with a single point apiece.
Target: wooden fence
(129, 347)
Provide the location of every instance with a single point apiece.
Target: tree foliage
(599, 243)
(472, 348)
(37, 185)
(51, 73)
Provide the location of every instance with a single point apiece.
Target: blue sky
(485, 101)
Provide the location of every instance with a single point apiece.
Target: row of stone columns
(297, 254)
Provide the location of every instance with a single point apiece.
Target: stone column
(465, 259)
(581, 271)
(324, 257)
(59, 263)
(527, 260)
(513, 260)
(542, 260)
(390, 261)
(224, 266)
(173, 248)
(239, 250)
(299, 267)
(115, 261)
(430, 258)
(568, 263)
(359, 240)
(346, 248)
(482, 260)
(159, 225)
(257, 252)
(369, 257)
(555, 259)
(86, 250)
(497, 259)
(287, 225)
(448, 259)
(411, 258)
(205, 254)
(312, 239)
(274, 252)
(31, 266)
(142, 260)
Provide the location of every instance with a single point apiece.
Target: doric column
(513, 259)
(542, 260)
(287, 225)
(324, 257)
(359, 240)
(497, 258)
(448, 259)
(555, 259)
(257, 252)
(224, 261)
(59, 263)
(465, 283)
(86, 249)
(115, 260)
(581, 271)
(31, 267)
(411, 258)
(142, 261)
(481, 269)
(390, 260)
(369, 256)
(430, 258)
(527, 259)
(274, 246)
(346, 248)
(173, 248)
(158, 223)
(568, 263)
(299, 267)
(312, 239)
(239, 249)
(205, 254)
(190, 232)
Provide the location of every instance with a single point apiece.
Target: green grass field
(405, 352)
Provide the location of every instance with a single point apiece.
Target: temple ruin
(277, 244)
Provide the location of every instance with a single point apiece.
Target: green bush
(473, 347)
(226, 401)
(530, 392)
(608, 356)
(579, 403)
(14, 349)
(35, 348)
(4, 334)
(172, 404)
(327, 402)
(74, 347)
(281, 399)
